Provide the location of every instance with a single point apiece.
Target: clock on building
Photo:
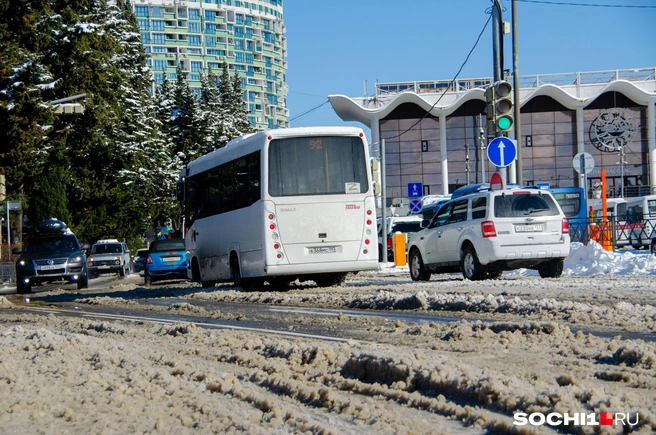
(613, 129)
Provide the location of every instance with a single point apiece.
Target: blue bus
(574, 203)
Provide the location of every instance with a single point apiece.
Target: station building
(435, 132)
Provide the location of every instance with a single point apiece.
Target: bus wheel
(653, 246)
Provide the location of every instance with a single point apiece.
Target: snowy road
(396, 376)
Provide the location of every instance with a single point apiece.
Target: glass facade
(197, 36)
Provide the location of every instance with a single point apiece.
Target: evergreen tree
(49, 197)
(238, 108)
(213, 113)
(186, 122)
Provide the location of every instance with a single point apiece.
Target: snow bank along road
(81, 375)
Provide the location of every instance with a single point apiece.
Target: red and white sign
(496, 183)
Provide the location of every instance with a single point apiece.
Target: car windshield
(63, 243)
(166, 245)
(106, 248)
(521, 205)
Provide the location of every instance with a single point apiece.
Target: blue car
(166, 260)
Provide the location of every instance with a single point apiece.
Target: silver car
(109, 256)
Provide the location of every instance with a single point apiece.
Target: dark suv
(53, 254)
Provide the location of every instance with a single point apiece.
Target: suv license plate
(323, 250)
(533, 228)
(51, 267)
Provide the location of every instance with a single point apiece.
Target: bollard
(399, 249)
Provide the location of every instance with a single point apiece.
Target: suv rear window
(406, 227)
(524, 204)
(167, 245)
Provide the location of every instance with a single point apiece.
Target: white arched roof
(570, 96)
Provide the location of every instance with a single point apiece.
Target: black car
(52, 254)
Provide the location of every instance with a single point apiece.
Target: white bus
(641, 218)
(281, 205)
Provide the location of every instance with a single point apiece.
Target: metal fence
(7, 272)
(615, 232)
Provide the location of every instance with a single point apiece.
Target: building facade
(436, 132)
(201, 35)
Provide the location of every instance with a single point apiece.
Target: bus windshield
(570, 203)
(317, 165)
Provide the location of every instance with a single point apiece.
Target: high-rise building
(201, 35)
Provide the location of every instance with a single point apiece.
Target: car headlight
(75, 259)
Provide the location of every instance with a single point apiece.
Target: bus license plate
(533, 228)
(323, 250)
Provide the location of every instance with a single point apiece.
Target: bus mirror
(180, 190)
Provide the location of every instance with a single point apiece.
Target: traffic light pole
(497, 54)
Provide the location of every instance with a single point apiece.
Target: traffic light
(499, 107)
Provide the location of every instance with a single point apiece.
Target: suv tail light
(390, 244)
(565, 226)
(488, 229)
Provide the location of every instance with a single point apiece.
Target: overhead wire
(307, 112)
(596, 5)
(450, 83)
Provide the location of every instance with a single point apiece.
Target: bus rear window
(317, 165)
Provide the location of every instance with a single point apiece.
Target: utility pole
(518, 136)
(383, 199)
(482, 141)
(467, 162)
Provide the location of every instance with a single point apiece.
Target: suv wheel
(83, 282)
(22, 289)
(417, 270)
(551, 268)
(470, 266)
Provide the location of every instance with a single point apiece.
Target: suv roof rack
(51, 226)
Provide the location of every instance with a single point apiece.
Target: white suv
(486, 232)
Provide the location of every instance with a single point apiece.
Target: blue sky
(334, 46)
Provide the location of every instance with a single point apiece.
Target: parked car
(166, 260)
(52, 254)
(484, 232)
(407, 225)
(139, 259)
(109, 256)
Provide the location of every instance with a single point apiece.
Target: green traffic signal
(504, 123)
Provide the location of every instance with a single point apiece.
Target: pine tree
(213, 113)
(186, 122)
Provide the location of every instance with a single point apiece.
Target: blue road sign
(415, 190)
(502, 151)
(415, 206)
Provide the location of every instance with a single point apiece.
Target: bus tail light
(488, 229)
(565, 226)
(368, 223)
(277, 245)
